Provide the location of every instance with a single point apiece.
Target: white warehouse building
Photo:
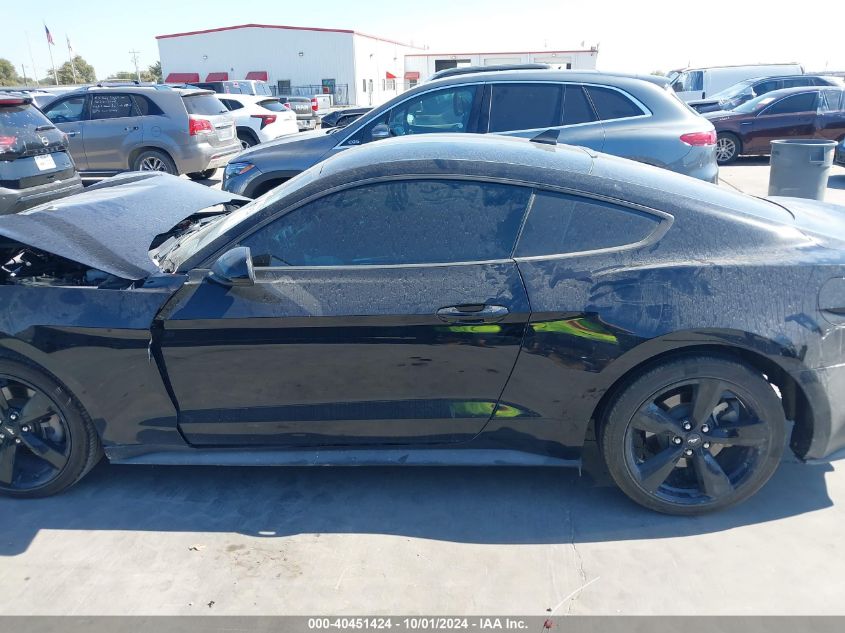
(354, 67)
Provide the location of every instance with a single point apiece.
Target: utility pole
(25, 82)
(134, 54)
(32, 59)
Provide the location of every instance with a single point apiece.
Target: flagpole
(32, 59)
(52, 63)
(25, 82)
(70, 57)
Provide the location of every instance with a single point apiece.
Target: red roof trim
(389, 75)
(182, 78)
(286, 27)
(259, 75)
(584, 50)
(412, 74)
(217, 77)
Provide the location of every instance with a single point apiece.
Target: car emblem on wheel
(44, 141)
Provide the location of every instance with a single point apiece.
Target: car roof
(586, 76)
(784, 92)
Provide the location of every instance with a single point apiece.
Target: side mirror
(233, 268)
(380, 131)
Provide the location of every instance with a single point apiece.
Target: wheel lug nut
(688, 452)
(687, 426)
(25, 429)
(706, 444)
(677, 440)
(17, 440)
(13, 416)
(705, 428)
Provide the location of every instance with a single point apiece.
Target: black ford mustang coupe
(429, 300)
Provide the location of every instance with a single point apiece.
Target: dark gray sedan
(630, 116)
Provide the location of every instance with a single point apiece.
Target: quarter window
(110, 106)
(804, 102)
(559, 224)
(612, 104)
(525, 107)
(404, 222)
(831, 101)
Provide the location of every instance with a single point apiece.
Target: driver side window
(67, 110)
(446, 110)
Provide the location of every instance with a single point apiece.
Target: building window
(284, 86)
(390, 84)
(412, 83)
(364, 84)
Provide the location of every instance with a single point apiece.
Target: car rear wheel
(247, 140)
(728, 147)
(153, 160)
(202, 175)
(694, 435)
(47, 442)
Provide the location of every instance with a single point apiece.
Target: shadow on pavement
(470, 505)
(836, 182)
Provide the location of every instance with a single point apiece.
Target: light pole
(134, 54)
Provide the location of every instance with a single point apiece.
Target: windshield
(733, 91)
(755, 104)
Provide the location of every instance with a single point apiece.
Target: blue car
(839, 156)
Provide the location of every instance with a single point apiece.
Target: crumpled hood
(110, 225)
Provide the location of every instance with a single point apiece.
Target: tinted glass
(15, 119)
(766, 86)
(559, 224)
(231, 105)
(831, 101)
(797, 82)
(144, 106)
(110, 106)
(576, 107)
(273, 104)
(612, 104)
(446, 110)
(204, 104)
(797, 103)
(525, 107)
(419, 221)
(67, 110)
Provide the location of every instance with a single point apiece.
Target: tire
(154, 160)
(723, 455)
(247, 140)
(65, 429)
(728, 148)
(202, 175)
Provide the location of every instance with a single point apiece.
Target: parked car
(303, 108)
(342, 118)
(744, 91)
(35, 165)
(616, 114)
(692, 84)
(750, 128)
(839, 156)
(145, 128)
(259, 119)
(237, 86)
(445, 299)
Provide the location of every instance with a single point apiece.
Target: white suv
(259, 118)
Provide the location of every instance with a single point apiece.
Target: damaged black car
(433, 300)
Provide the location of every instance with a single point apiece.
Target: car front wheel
(694, 435)
(47, 441)
(727, 148)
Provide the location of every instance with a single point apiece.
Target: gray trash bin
(800, 167)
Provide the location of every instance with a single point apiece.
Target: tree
(84, 72)
(659, 73)
(8, 74)
(154, 72)
(123, 75)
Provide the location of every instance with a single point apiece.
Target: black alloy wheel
(46, 441)
(694, 435)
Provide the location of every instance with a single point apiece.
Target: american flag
(49, 35)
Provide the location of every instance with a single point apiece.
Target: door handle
(130, 129)
(71, 133)
(472, 313)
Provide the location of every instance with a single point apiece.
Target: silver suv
(145, 128)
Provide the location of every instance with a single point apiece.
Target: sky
(632, 36)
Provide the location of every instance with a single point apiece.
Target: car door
(830, 123)
(527, 109)
(793, 116)
(112, 131)
(68, 115)
(385, 313)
